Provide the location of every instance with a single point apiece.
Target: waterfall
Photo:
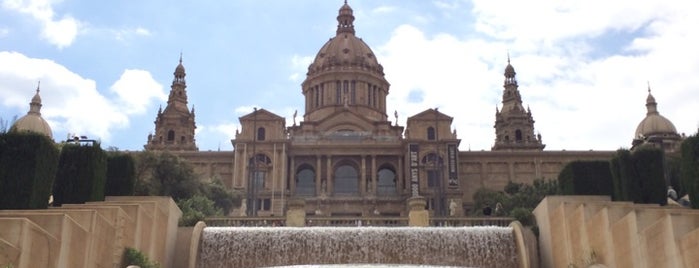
(281, 246)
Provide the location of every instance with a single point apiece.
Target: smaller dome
(179, 70)
(33, 121)
(509, 70)
(654, 124)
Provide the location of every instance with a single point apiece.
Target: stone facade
(346, 158)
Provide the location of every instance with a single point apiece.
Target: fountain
(282, 246)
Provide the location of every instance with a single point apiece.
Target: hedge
(689, 169)
(81, 176)
(586, 178)
(121, 174)
(639, 176)
(28, 163)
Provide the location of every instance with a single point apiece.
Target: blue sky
(583, 66)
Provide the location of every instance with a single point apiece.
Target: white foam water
(287, 246)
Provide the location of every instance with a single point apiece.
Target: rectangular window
(259, 180)
(264, 204)
(338, 93)
(317, 97)
(432, 178)
(368, 94)
(353, 92)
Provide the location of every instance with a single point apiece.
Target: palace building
(346, 158)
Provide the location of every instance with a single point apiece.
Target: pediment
(345, 121)
(261, 115)
(430, 115)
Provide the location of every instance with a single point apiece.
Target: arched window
(430, 134)
(171, 135)
(306, 181)
(346, 180)
(261, 134)
(386, 183)
(518, 135)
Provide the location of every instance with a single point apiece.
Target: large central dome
(345, 49)
(345, 77)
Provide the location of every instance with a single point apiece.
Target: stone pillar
(292, 176)
(400, 176)
(418, 216)
(373, 175)
(328, 175)
(362, 182)
(319, 173)
(296, 215)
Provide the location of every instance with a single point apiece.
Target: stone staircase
(89, 235)
(579, 231)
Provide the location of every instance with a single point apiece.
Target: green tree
(518, 200)
(165, 174)
(223, 198)
(196, 208)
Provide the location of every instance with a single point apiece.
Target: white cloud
(136, 89)
(71, 103)
(59, 32)
(579, 100)
(124, 34)
(383, 9)
(227, 129)
(4, 32)
(299, 67)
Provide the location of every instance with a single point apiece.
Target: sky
(583, 66)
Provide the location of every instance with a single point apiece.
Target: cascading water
(280, 246)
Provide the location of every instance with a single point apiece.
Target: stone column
(292, 177)
(318, 175)
(418, 216)
(362, 182)
(328, 175)
(400, 178)
(373, 175)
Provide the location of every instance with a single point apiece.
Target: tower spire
(651, 105)
(345, 20)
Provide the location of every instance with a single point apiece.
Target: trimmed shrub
(586, 178)
(134, 257)
(81, 176)
(639, 176)
(650, 169)
(689, 169)
(121, 175)
(28, 163)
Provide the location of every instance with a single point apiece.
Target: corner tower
(174, 127)
(514, 126)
